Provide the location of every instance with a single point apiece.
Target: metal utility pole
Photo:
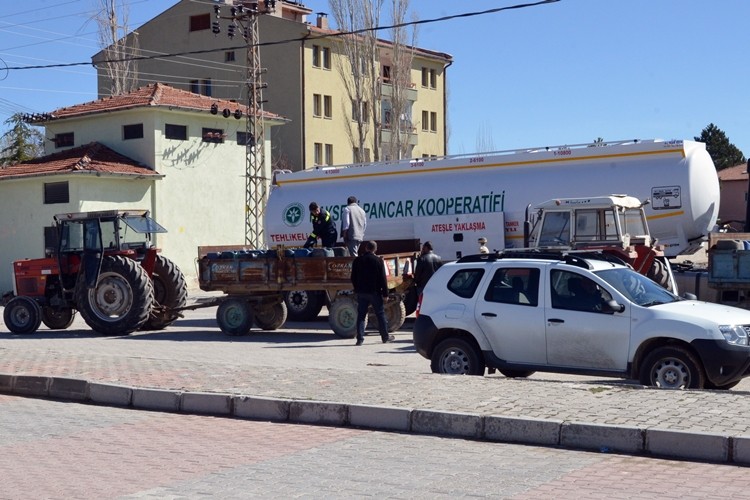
(244, 18)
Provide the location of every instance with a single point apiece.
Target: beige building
(304, 83)
(156, 148)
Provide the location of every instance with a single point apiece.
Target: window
(359, 111)
(329, 154)
(64, 140)
(200, 22)
(215, 135)
(514, 286)
(176, 132)
(555, 229)
(386, 73)
(328, 106)
(464, 283)
(229, 56)
(56, 192)
(134, 131)
(207, 87)
(425, 77)
(316, 56)
(433, 79)
(195, 86)
(433, 121)
(318, 154)
(356, 158)
(242, 139)
(425, 121)
(316, 105)
(574, 292)
(326, 57)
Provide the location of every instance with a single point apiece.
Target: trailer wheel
(235, 317)
(170, 292)
(58, 319)
(395, 315)
(122, 299)
(342, 317)
(303, 305)
(22, 315)
(271, 317)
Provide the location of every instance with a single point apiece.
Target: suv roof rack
(572, 257)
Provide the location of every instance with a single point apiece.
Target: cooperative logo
(293, 214)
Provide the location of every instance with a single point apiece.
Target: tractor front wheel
(22, 315)
(122, 299)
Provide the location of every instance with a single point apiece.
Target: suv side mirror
(689, 296)
(614, 306)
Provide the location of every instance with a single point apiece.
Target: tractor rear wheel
(122, 299)
(22, 315)
(170, 293)
(58, 319)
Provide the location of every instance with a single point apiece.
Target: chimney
(322, 20)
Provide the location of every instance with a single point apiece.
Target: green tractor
(105, 267)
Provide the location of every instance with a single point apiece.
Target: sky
(561, 73)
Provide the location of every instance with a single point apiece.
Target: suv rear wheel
(456, 356)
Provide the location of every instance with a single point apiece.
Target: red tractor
(106, 268)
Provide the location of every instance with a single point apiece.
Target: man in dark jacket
(323, 227)
(371, 287)
(427, 263)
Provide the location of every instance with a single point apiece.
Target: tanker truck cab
(615, 225)
(522, 311)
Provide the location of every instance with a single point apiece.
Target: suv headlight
(734, 334)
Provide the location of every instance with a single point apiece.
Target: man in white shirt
(353, 224)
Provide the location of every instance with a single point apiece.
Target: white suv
(526, 312)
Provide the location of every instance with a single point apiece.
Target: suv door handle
(489, 315)
(555, 320)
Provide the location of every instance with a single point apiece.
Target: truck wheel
(395, 315)
(122, 299)
(22, 315)
(58, 319)
(170, 292)
(455, 356)
(271, 317)
(672, 368)
(342, 317)
(410, 300)
(303, 305)
(234, 317)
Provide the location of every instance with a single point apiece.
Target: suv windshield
(636, 287)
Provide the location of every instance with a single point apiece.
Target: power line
(293, 40)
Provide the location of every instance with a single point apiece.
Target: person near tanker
(371, 289)
(427, 263)
(353, 225)
(483, 245)
(323, 228)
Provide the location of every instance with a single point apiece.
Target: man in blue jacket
(323, 227)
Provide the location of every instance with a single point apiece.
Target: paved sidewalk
(604, 416)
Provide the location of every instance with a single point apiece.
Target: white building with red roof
(180, 155)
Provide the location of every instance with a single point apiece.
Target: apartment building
(304, 82)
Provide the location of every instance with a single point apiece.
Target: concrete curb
(665, 443)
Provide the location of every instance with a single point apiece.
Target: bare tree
(403, 41)
(118, 46)
(358, 69)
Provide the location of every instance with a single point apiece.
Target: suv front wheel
(455, 356)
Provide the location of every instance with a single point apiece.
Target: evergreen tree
(21, 142)
(723, 153)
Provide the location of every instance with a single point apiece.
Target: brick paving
(375, 374)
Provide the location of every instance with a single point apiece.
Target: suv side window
(575, 292)
(514, 285)
(464, 283)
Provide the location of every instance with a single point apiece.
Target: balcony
(386, 89)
